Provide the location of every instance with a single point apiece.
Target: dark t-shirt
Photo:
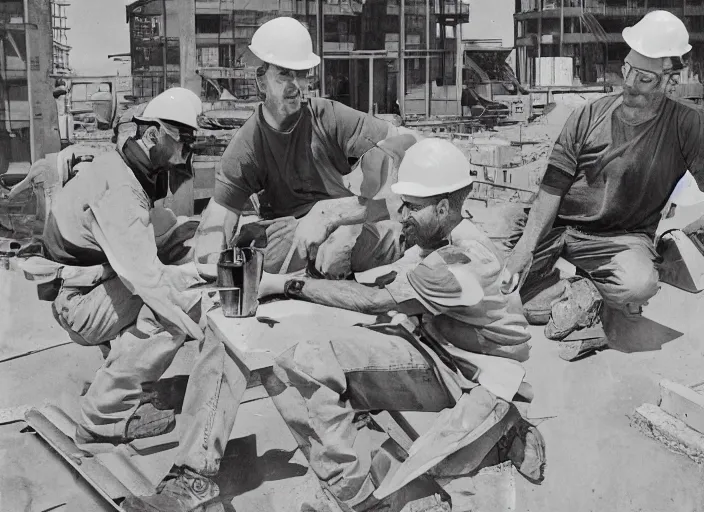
(299, 167)
(624, 174)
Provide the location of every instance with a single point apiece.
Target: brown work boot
(524, 446)
(146, 421)
(182, 490)
(578, 308)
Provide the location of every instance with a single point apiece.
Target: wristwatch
(293, 289)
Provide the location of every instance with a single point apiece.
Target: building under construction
(371, 49)
(589, 32)
(60, 29)
(28, 115)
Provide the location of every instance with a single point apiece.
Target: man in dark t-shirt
(611, 172)
(295, 154)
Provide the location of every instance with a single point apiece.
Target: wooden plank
(683, 403)
(668, 430)
(256, 344)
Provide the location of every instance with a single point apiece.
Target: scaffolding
(59, 28)
(382, 56)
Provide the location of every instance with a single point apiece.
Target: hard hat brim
(297, 65)
(633, 44)
(407, 188)
(156, 120)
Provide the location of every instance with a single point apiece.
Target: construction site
(618, 404)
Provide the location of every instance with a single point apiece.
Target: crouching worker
(294, 153)
(463, 322)
(102, 221)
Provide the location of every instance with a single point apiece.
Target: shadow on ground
(637, 334)
(242, 470)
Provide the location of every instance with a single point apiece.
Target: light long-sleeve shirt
(102, 216)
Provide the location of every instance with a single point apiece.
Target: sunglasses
(415, 207)
(298, 74)
(186, 136)
(643, 78)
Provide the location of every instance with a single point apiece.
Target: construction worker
(142, 306)
(294, 152)
(336, 372)
(611, 172)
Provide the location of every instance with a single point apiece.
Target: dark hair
(456, 198)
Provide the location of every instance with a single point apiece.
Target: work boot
(578, 308)
(538, 309)
(524, 446)
(182, 490)
(146, 421)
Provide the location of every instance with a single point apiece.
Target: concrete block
(668, 430)
(683, 403)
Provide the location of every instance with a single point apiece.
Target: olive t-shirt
(295, 169)
(623, 174)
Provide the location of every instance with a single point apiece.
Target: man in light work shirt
(295, 153)
(611, 172)
(336, 372)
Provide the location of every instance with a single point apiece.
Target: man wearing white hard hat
(295, 154)
(141, 304)
(611, 172)
(442, 316)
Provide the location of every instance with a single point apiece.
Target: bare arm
(348, 295)
(541, 218)
(215, 231)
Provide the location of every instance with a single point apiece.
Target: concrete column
(183, 200)
(187, 41)
(43, 112)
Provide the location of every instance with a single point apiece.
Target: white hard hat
(284, 42)
(658, 34)
(432, 167)
(176, 104)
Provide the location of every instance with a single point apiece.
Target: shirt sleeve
(567, 146)
(691, 136)
(356, 131)
(239, 175)
(119, 221)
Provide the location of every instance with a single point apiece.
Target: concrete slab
(596, 461)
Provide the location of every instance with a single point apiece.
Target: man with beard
(611, 172)
(454, 290)
(294, 152)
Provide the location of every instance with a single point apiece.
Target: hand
(334, 258)
(516, 269)
(273, 284)
(311, 231)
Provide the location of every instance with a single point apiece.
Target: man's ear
(443, 207)
(151, 136)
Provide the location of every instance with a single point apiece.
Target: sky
(98, 28)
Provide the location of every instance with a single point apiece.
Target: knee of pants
(636, 280)
(312, 362)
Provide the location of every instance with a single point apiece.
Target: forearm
(343, 211)
(214, 231)
(541, 218)
(347, 295)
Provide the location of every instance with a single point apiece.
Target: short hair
(456, 198)
(261, 71)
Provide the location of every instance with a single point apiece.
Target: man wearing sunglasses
(295, 153)
(139, 302)
(611, 172)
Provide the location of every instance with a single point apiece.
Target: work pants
(141, 351)
(347, 250)
(320, 384)
(622, 267)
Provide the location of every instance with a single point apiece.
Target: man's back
(67, 234)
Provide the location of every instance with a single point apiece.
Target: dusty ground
(596, 461)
